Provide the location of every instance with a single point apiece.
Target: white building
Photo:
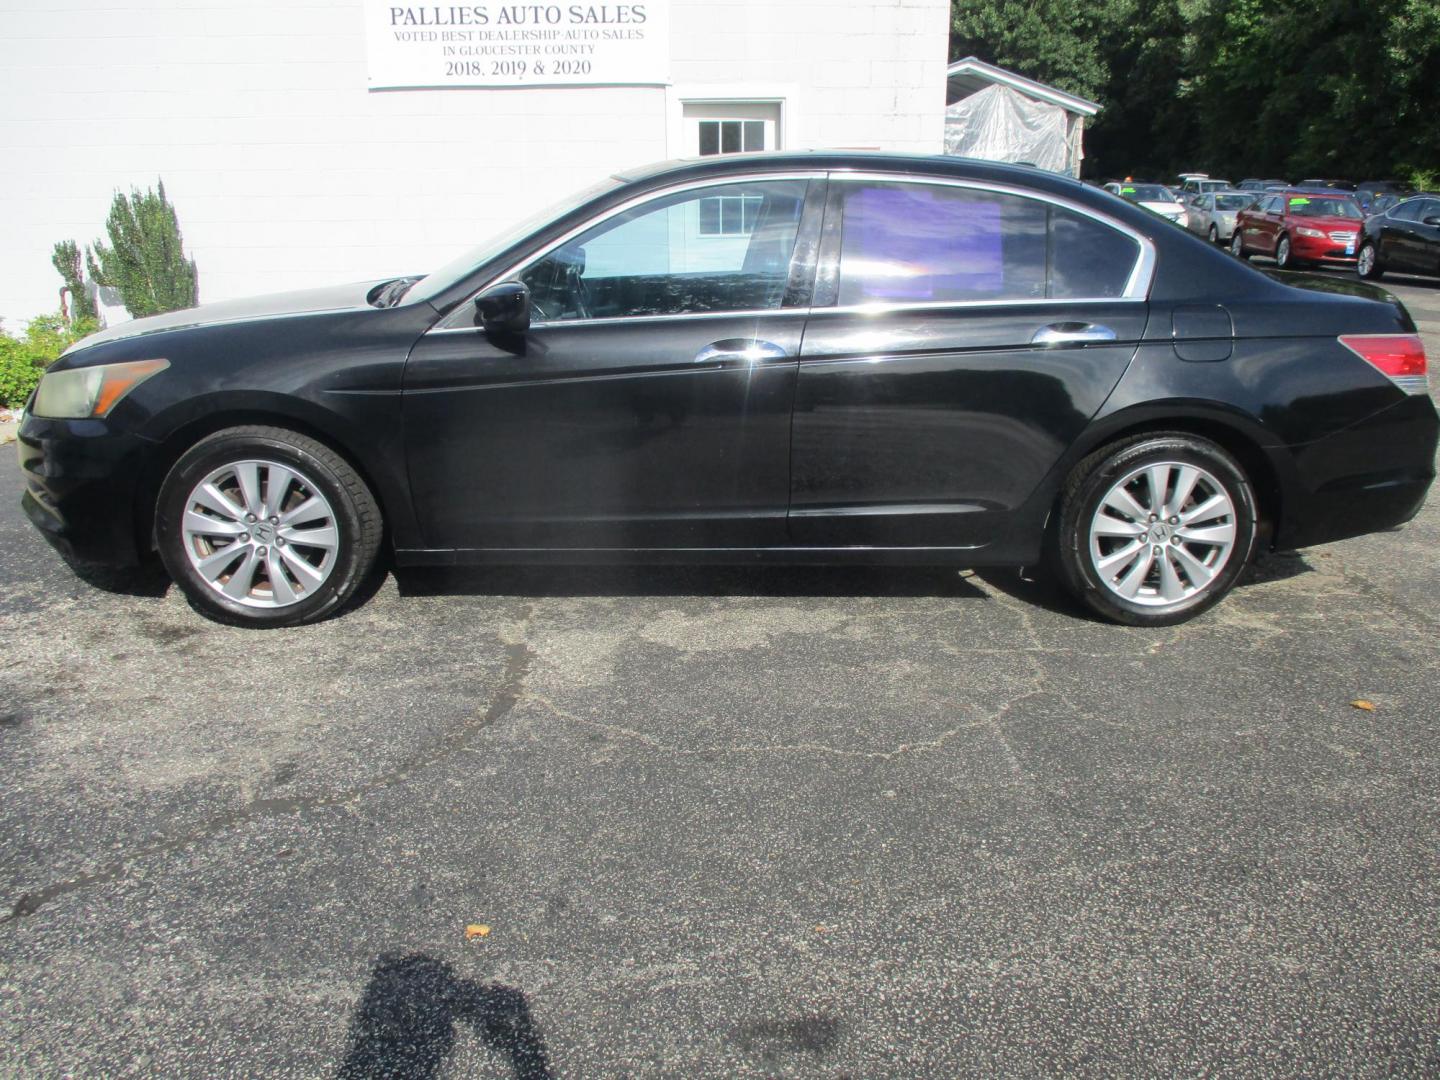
(312, 141)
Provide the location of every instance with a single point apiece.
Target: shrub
(23, 360)
(145, 259)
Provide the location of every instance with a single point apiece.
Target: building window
(729, 215)
(731, 136)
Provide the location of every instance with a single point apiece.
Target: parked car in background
(1381, 203)
(1212, 215)
(1325, 185)
(1154, 197)
(1260, 185)
(1199, 185)
(886, 360)
(1405, 238)
(1369, 190)
(1298, 227)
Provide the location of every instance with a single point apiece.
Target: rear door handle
(740, 350)
(1072, 333)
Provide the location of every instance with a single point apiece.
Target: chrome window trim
(1142, 274)
(753, 313)
(1137, 286)
(517, 268)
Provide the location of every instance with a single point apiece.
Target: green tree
(1055, 41)
(66, 259)
(145, 259)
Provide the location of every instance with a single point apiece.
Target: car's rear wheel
(1156, 529)
(1283, 258)
(1237, 246)
(1367, 263)
(262, 526)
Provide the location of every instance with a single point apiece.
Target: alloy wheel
(1365, 264)
(1282, 253)
(1162, 534)
(260, 533)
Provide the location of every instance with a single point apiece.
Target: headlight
(1305, 230)
(92, 391)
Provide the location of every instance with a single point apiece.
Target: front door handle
(1072, 333)
(740, 350)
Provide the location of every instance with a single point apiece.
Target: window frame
(827, 283)
(820, 263)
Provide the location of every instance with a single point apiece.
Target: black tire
(356, 519)
(1284, 259)
(1237, 246)
(1095, 477)
(1376, 271)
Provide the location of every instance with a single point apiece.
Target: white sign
(495, 44)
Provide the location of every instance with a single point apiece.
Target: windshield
(1233, 202)
(1321, 206)
(460, 267)
(1145, 193)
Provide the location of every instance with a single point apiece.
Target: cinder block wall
(288, 172)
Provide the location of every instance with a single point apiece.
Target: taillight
(1399, 357)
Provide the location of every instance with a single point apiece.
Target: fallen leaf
(819, 929)
(475, 930)
(1361, 703)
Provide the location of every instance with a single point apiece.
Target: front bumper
(81, 478)
(1323, 250)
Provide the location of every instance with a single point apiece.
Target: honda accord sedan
(798, 358)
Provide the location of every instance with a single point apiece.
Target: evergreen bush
(67, 261)
(145, 260)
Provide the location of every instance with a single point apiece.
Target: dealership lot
(718, 822)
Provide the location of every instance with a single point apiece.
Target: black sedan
(1404, 238)
(818, 358)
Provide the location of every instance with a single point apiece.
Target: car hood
(1163, 207)
(303, 302)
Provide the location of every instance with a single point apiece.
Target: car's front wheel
(1214, 235)
(1237, 246)
(1156, 529)
(264, 527)
(1283, 258)
(1367, 263)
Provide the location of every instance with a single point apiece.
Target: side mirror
(504, 308)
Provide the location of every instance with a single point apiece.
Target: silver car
(1212, 215)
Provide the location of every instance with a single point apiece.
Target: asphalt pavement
(724, 822)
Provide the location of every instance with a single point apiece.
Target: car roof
(939, 165)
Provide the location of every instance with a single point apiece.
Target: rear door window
(924, 243)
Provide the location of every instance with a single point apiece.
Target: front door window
(719, 248)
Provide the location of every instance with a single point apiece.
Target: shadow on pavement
(685, 581)
(404, 1025)
(148, 579)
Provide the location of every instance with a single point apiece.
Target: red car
(1297, 228)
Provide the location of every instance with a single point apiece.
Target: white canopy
(1002, 124)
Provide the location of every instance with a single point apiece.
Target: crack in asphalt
(519, 658)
